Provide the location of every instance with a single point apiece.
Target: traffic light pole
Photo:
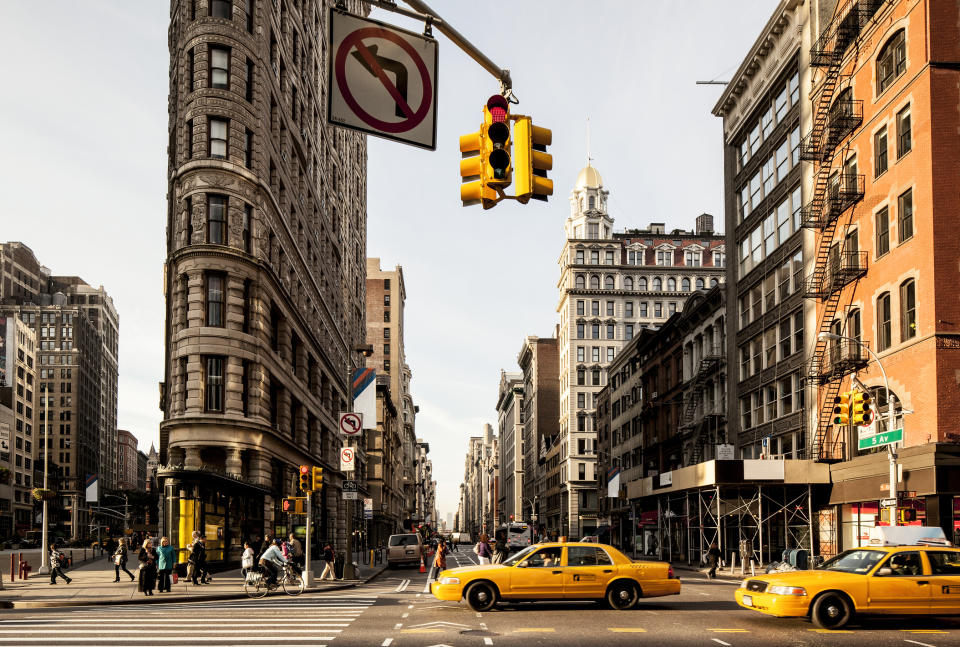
(308, 571)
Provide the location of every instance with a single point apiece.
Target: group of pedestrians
(157, 563)
(492, 554)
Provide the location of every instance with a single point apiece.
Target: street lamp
(890, 418)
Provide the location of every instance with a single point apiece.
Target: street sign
(886, 503)
(382, 80)
(351, 423)
(879, 440)
(5, 438)
(346, 459)
(350, 496)
(368, 508)
(350, 486)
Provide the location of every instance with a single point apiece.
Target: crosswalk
(305, 621)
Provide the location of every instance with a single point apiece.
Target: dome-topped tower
(588, 207)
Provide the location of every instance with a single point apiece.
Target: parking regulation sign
(382, 80)
(346, 459)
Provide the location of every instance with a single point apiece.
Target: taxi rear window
(854, 561)
(944, 562)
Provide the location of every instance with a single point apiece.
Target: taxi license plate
(748, 600)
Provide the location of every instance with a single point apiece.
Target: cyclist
(271, 559)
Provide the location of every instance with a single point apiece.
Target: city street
(395, 611)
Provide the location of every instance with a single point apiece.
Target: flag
(93, 488)
(613, 482)
(365, 396)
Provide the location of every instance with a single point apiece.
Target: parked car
(404, 549)
(558, 571)
(885, 577)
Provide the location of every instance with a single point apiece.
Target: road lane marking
(402, 586)
(731, 631)
(422, 631)
(488, 641)
(409, 606)
(919, 643)
(717, 640)
(702, 593)
(830, 631)
(530, 630)
(627, 630)
(398, 625)
(926, 631)
(386, 642)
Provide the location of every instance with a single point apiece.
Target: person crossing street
(57, 559)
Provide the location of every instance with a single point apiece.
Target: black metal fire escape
(835, 191)
(701, 424)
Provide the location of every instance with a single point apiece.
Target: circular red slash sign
(355, 39)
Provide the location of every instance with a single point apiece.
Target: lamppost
(891, 455)
(533, 514)
(348, 571)
(44, 538)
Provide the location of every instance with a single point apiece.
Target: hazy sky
(83, 123)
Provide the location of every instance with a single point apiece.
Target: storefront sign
(725, 453)
(666, 479)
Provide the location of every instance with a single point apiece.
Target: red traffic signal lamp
(498, 134)
(841, 409)
(305, 478)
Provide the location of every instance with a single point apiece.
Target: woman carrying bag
(482, 549)
(120, 560)
(148, 568)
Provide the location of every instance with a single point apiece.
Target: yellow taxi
(558, 571)
(875, 579)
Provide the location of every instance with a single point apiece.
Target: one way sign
(383, 80)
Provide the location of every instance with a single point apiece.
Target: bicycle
(255, 586)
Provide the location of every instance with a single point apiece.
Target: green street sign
(879, 440)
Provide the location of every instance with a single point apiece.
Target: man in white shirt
(270, 560)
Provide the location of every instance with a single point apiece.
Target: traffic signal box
(317, 478)
(861, 411)
(294, 505)
(531, 160)
(493, 158)
(305, 479)
(841, 409)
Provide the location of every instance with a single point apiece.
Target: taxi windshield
(512, 561)
(854, 561)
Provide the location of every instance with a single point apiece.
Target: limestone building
(264, 276)
(510, 412)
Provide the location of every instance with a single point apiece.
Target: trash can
(802, 559)
(338, 563)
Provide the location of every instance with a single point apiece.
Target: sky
(83, 123)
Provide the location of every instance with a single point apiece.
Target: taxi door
(588, 571)
(539, 576)
(944, 581)
(900, 585)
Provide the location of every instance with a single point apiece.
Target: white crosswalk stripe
(308, 622)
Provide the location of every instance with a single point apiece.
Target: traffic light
(841, 409)
(305, 476)
(293, 505)
(317, 478)
(531, 160)
(861, 413)
(906, 515)
(497, 118)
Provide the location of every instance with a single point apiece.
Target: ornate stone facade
(266, 241)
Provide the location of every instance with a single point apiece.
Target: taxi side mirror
(884, 572)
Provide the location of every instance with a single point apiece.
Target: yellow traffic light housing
(841, 409)
(497, 120)
(317, 478)
(305, 476)
(861, 411)
(485, 165)
(531, 160)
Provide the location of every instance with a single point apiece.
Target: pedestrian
(713, 560)
(148, 567)
(500, 549)
(440, 559)
(198, 556)
(246, 559)
(267, 543)
(482, 549)
(57, 560)
(166, 558)
(120, 556)
(296, 550)
(328, 564)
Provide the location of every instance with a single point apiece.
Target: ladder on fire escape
(833, 194)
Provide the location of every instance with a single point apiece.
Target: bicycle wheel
(255, 588)
(293, 584)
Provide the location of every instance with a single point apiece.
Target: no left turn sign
(346, 459)
(382, 80)
(351, 423)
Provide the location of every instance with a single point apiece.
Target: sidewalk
(723, 574)
(93, 585)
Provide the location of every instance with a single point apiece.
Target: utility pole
(308, 571)
(44, 539)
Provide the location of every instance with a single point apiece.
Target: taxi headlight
(787, 590)
(449, 580)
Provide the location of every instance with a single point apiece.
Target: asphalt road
(395, 610)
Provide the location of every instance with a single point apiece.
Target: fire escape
(697, 418)
(835, 192)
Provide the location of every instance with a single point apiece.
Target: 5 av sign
(383, 80)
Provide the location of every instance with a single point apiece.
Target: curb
(42, 604)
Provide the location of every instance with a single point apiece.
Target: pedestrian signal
(293, 505)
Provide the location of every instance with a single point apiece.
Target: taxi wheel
(830, 611)
(481, 596)
(622, 595)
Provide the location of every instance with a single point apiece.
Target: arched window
(699, 284)
(657, 284)
(580, 282)
(594, 282)
(685, 284)
(592, 201)
(671, 284)
(884, 331)
(908, 310)
(891, 61)
(628, 283)
(608, 283)
(642, 284)
(853, 324)
(713, 282)
(881, 407)
(843, 105)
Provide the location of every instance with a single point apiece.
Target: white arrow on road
(437, 624)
